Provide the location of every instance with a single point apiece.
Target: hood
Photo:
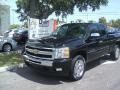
(52, 41)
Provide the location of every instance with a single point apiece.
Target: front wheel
(77, 68)
(7, 48)
(115, 53)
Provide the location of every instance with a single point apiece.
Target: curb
(3, 69)
(7, 68)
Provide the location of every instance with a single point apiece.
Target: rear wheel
(115, 53)
(7, 47)
(77, 68)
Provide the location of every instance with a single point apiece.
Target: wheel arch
(82, 53)
(6, 44)
(72, 67)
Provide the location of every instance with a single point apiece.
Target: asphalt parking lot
(102, 74)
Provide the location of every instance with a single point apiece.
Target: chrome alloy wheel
(79, 68)
(7, 48)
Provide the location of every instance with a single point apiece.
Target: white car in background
(7, 44)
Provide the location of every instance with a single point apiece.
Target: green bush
(11, 58)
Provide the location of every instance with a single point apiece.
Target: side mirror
(95, 35)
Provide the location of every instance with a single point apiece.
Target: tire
(77, 68)
(115, 53)
(7, 48)
(23, 52)
(27, 64)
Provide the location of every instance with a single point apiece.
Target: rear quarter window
(102, 29)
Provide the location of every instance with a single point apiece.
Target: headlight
(62, 53)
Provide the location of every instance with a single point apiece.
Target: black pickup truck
(67, 50)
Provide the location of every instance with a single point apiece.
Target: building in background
(4, 16)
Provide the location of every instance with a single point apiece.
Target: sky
(13, 15)
(111, 11)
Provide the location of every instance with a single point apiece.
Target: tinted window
(76, 31)
(93, 28)
(25, 32)
(61, 31)
(21, 32)
(102, 29)
(70, 30)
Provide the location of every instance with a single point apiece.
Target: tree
(23, 8)
(115, 23)
(91, 21)
(25, 25)
(43, 8)
(79, 21)
(103, 20)
(14, 26)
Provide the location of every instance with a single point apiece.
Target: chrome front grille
(42, 53)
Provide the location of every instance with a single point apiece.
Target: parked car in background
(10, 33)
(7, 44)
(113, 31)
(21, 36)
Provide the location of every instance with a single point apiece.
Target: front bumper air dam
(57, 66)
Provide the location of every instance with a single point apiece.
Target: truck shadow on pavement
(47, 79)
(98, 62)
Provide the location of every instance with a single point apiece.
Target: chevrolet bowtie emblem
(35, 51)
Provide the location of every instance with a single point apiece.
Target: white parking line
(107, 62)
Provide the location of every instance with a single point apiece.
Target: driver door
(94, 43)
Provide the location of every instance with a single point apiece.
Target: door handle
(100, 41)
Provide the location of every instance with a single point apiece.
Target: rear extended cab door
(103, 40)
(97, 46)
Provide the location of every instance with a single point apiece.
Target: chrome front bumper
(38, 61)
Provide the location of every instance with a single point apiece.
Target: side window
(62, 30)
(25, 32)
(102, 30)
(77, 31)
(93, 28)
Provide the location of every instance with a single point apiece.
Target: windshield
(60, 31)
(20, 31)
(70, 30)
